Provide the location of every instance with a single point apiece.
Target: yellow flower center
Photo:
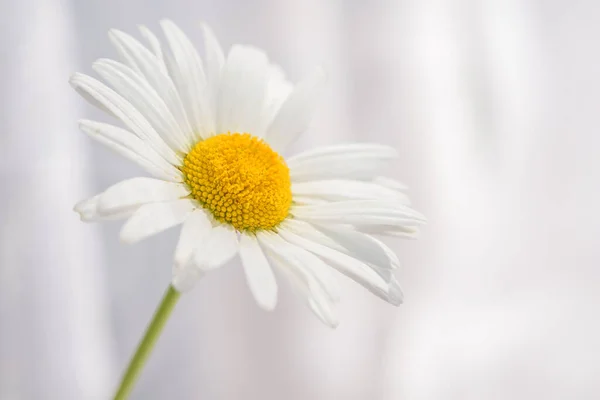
(240, 180)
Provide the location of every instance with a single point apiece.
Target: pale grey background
(493, 106)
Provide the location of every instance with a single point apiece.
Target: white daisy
(212, 133)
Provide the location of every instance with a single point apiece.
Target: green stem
(144, 349)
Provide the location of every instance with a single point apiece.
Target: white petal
(187, 72)
(317, 271)
(306, 200)
(359, 212)
(389, 252)
(214, 61)
(321, 272)
(220, 246)
(361, 246)
(195, 230)
(130, 146)
(295, 114)
(396, 295)
(349, 266)
(154, 46)
(138, 191)
(322, 307)
(353, 150)
(124, 198)
(153, 69)
(323, 311)
(242, 91)
(390, 183)
(278, 90)
(259, 274)
(339, 190)
(152, 218)
(122, 43)
(310, 232)
(385, 273)
(92, 100)
(405, 232)
(186, 276)
(318, 300)
(135, 89)
(355, 161)
(88, 211)
(123, 110)
(87, 208)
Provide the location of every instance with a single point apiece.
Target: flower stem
(161, 315)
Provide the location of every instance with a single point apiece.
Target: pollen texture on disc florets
(240, 180)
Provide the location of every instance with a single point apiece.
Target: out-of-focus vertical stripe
(55, 335)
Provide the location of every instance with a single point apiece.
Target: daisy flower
(213, 133)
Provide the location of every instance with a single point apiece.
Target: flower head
(213, 132)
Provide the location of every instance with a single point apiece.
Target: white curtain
(492, 106)
(55, 327)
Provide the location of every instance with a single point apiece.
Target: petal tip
(167, 23)
(86, 209)
(395, 294)
(185, 277)
(206, 28)
(81, 214)
(114, 33)
(74, 79)
(333, 324)
(269, 306)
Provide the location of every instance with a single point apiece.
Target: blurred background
(493, 106)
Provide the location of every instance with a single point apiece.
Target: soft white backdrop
(493, 106)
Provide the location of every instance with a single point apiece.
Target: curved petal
(316, 295)
(130, 146)
(310, 232)
(353, 150)
(259, 274)
(135, 89)
(400, 231)
(390, 183)
(155, 46)
(340, 190)
(361, 246)
(353, 161)
(382, 264)
(187, 72)
(395, 293)
(214, 60)
(323, 310)
(278, 90)
(295, 114)
(135, 192)
(220, 246)
(389, 252)
(153, 218)
(349, 266)
(318, 272)
(87, 208)
(140, 59)
(242, 91)
(185, 276)
(88, 211)
(195, 230)
(359, 212)
(127, 113)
